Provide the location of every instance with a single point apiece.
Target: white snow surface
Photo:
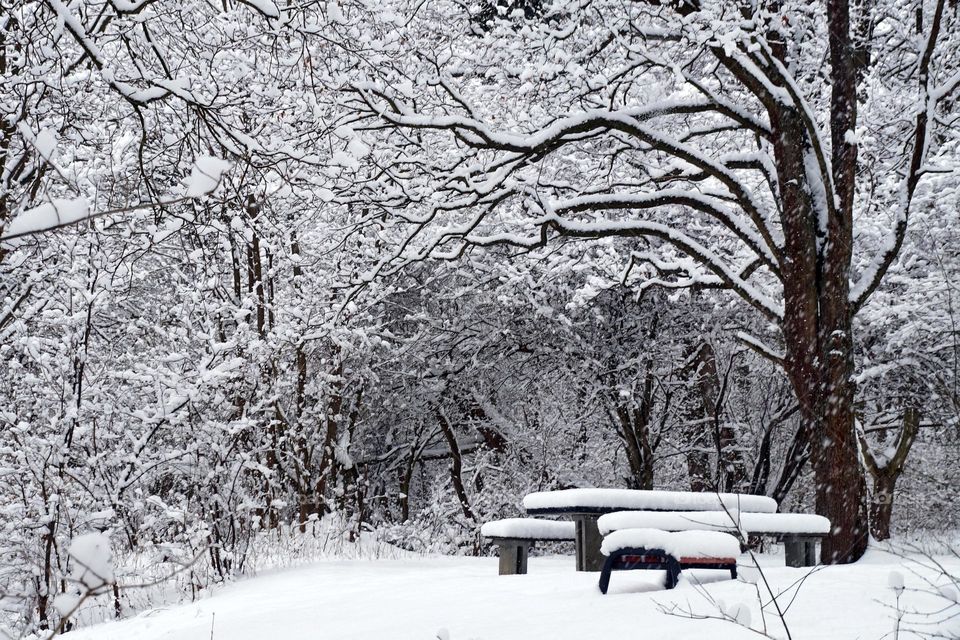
(630, 499)
(680, 544)
(529, 528)
(49, 215)
(415, 598)
(758, 523)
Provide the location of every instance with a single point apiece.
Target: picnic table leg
(588, 540)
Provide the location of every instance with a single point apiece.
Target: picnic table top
(600, 501)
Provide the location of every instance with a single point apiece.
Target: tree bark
(632, 418)
(456, 465)
(885, 473)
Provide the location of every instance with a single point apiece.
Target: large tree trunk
(840, 483)
(817, 329)
(819, 362)
(818, 337)
(841, 486)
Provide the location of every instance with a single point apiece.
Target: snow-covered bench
(515, 536)
(672, 551)
(798, 531)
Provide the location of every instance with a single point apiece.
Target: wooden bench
(515, 536)
(799, 532)
(655, 549)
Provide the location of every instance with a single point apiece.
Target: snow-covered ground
(423, 598)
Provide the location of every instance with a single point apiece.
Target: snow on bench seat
(749, 523)
(515, 536)
(606, 500)
(682, 545)
(655, 549)
(529, 529)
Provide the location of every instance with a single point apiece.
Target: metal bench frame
(657, 559)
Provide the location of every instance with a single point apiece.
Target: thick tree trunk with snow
(840, 483)
(819, 362)
(819, 356)
(817, 204)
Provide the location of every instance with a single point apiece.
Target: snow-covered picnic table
(585, 506)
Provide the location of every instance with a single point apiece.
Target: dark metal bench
(641, 558)
(799, 532)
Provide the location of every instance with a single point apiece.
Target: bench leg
(673, 572)
(811, 552)
(605, 573)
(513, 557)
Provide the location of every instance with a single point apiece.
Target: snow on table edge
(529, 528)
(628, 499)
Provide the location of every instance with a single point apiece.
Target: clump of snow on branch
(895, 581)
(206, 175)
(49, 215)
(93, 561)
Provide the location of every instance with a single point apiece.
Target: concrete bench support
(513, 555)
(800, 551)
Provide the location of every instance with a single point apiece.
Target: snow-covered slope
(463, 598)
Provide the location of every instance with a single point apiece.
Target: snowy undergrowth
(160, 576)
(150, 582)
